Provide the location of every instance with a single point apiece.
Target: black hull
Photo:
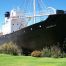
(50, 32)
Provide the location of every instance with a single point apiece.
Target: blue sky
(7, 5)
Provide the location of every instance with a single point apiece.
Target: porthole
(40, 26)
(24, 30)
(31, 28)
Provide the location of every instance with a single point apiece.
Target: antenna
(34, 5)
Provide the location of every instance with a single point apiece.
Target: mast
(48, 10)
(34, 5)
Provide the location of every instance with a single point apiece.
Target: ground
(8, 60)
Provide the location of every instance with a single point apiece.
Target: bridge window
(13, 24)
(13, 31)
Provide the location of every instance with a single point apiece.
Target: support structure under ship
(51, 31)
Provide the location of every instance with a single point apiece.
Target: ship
(46, 33)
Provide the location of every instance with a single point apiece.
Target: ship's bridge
(14, 20)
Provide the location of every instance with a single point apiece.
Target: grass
(8, 60)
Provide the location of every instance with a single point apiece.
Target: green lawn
(7, 60)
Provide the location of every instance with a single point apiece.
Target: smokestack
(59, 12)
(7, 14)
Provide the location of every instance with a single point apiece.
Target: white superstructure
(14, 20)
